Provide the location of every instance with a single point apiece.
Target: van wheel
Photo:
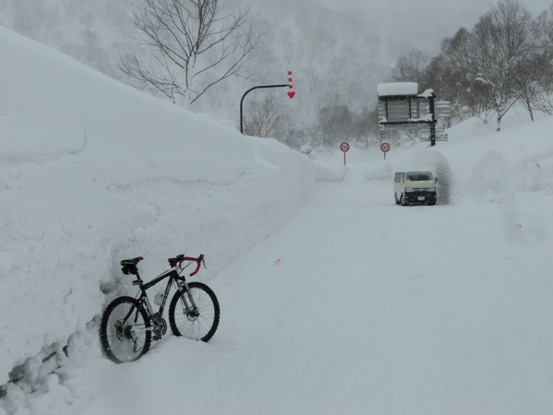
(395, 198)
(403, 201)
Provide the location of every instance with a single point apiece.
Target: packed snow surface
(333, 299)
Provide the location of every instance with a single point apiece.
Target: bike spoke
(125, 332)
(199, 322)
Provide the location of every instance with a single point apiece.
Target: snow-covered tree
(503, 42)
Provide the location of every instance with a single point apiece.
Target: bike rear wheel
(125, 332)
(200, 323)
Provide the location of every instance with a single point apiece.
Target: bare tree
(410, 67)
(335, 124)
(451, 74)
(503, 42)
(262, 118)
(193, 43)
(539, 87)
(530, 83)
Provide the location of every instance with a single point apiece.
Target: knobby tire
(125, 330)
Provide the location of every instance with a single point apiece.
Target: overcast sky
(433, 7)
(443, 17)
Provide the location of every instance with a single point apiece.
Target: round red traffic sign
(344, 146)
(385, 147)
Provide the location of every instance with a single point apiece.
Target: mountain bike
(129, 324)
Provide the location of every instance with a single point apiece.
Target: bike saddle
(129, 265)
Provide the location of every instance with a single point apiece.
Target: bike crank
(159, 326)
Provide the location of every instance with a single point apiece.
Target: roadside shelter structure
(401, 107)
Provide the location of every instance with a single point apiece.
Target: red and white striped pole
(291, 91)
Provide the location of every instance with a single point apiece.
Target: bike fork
(189, 309)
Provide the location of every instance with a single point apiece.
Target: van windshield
(419, 177)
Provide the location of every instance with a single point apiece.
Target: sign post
(401, 107)
(345, 148)
(385, 147)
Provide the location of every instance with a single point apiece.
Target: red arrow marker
(291, 92)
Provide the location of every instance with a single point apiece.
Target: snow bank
(493, 167)
(476, 165)
(93, 171)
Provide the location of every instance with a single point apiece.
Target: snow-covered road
(337, 313)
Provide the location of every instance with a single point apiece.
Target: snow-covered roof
(397, 88)
(427, 94)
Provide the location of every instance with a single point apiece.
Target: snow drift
(93, 171)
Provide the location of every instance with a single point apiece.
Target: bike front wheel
(194, 313)
(125, 330)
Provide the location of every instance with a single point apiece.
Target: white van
(415, 187)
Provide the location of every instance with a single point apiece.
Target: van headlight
(409, 189)
(431, 189)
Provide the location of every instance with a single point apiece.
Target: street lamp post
(291, 94)
(250, 90)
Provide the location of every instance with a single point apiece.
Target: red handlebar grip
(198, 263)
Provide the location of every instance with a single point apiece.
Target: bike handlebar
(173, 262)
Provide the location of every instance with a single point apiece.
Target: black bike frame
(173, 276)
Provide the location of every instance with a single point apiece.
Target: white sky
(440, 7)
(443, 17)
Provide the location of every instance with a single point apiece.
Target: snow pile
(92, 171)
(516, 162)
(480, 164)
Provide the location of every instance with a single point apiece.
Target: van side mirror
(435, 180)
